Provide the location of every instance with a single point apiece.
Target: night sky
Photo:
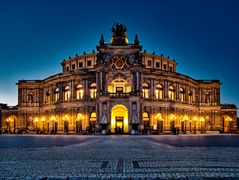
(202, 36)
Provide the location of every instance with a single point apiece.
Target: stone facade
(119, 89)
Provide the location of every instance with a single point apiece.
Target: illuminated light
(186, 117)
(66, 117)
(79, 117)
(93, 116)
(159, 116)
(36, 119)
(53, 118)
(172, 117)
(201, 119)
(195, 118)
(43, 118)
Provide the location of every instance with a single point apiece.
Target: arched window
(56, 94)
(190, 96)
(182, 94)
(93, 90)
(171, 93)
(67, 93)
(93, 116)
(159, 91)
(145, 116)
(79, 91)
(145, 90)
(47, 96)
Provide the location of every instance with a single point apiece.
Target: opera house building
(119, 89)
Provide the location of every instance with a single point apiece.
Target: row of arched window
(159, 93)
(79, 93)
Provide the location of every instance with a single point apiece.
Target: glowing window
(48, 97)
(56, 94)
(93, 116)
(93, 90)
(182, 94)
(171, 93)
(145, 116)
(145, 90)
(67, 93)
(79, 91)
(159, 91)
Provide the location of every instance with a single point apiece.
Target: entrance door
(119, 119)
(119, 124)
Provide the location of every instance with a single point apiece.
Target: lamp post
(79, 119)
(172, 118)
(201, 121)
(43, 120)
(8, 124)
(53, 118)
(230, 123)
(159, 122)
(185, 123)
(36, 123)
(190, 125)
(195, 124)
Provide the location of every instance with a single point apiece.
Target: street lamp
(195, 124)
(43, 120)
(36, 122)
(229, 119)
(185, 119)
(159, 122)
(202, 120)
(172, 118)
(53, 119)
(79, 119)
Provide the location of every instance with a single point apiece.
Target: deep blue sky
(35, 36)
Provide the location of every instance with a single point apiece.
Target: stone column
(72, 90)
(152, 88)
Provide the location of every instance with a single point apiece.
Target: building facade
(119, 89)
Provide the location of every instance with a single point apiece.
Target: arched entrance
(119, 119)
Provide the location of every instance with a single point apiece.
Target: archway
(119, 119)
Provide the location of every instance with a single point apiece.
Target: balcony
(119, 94)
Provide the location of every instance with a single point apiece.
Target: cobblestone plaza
(127, 157)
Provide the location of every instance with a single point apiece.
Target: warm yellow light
(195, 118)
(80, 116)
(122, 111)
(186, 118)
(159, 116)
(43, 118)
(53, 118)
(36, 119)
(201, 119)
(66, 117)
(172, 117)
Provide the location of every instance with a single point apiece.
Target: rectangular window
(149, 63)
(73, 66)
(89, 63)
(171, 68)
(157, 64)
(80, 64)
(67, 68)
(165, 66)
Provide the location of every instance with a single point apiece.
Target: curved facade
(120, 89)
